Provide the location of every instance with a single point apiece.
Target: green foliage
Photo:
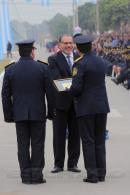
(60, 25)
(87, 15)
(111, 14)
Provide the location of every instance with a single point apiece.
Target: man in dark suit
(60, 66)
(91, 104)
(23, 96)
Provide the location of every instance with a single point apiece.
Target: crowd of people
(115, 48)
(52, 46)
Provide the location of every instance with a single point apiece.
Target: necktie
(69, 62)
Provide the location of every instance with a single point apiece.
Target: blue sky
(35, 13)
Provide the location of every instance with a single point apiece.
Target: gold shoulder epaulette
(10, 63)
(78, 59)
(42, 62)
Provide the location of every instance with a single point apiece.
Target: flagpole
(1, 34)
(3, 27)
(97, 18)
(75, 13)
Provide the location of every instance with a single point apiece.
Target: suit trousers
(30, 140)
(63, 122)
(92, 129)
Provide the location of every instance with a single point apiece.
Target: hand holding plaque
(63, 84)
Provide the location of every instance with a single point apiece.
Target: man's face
(66, 45)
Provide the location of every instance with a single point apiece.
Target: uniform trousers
(30, 140)
(92, 129)
(66, 121)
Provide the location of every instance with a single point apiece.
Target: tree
(113, 12)
(60, 25)
(87, 15)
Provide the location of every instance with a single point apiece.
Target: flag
(1, 35)
(5, 32)
(28, 1)
(45, 2)
(6, 21)
(76, 2)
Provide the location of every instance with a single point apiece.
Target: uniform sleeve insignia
(74, 72)
(78, 59)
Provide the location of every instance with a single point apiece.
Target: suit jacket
(23, 93)
(88, 86)
(59, 69)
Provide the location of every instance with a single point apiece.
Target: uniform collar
(26, 58)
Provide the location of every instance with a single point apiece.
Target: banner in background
(43, 2)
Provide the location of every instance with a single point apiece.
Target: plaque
(63, 84)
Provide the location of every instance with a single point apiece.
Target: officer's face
(66, 44)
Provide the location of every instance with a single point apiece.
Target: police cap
(76, 34)
(26, 44)
(83, 39)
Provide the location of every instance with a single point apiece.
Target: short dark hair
(84, 48)
(25, 52)
(64, 35)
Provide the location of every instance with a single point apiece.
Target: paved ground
(118, 157)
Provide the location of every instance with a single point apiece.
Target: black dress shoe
(92, 180)
(74, 169)
(39, 181)
(115, 81)
(126, 85)
(26, 182)
(57, 170)
(101, 179)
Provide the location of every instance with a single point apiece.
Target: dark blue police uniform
(25, 85)
(91, 104)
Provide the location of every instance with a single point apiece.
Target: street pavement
(67, 183)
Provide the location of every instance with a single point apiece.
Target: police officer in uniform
(91, 104)
(23, 96)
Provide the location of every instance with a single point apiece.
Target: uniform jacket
(88, 85)
(23, 93)
(59, 69)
